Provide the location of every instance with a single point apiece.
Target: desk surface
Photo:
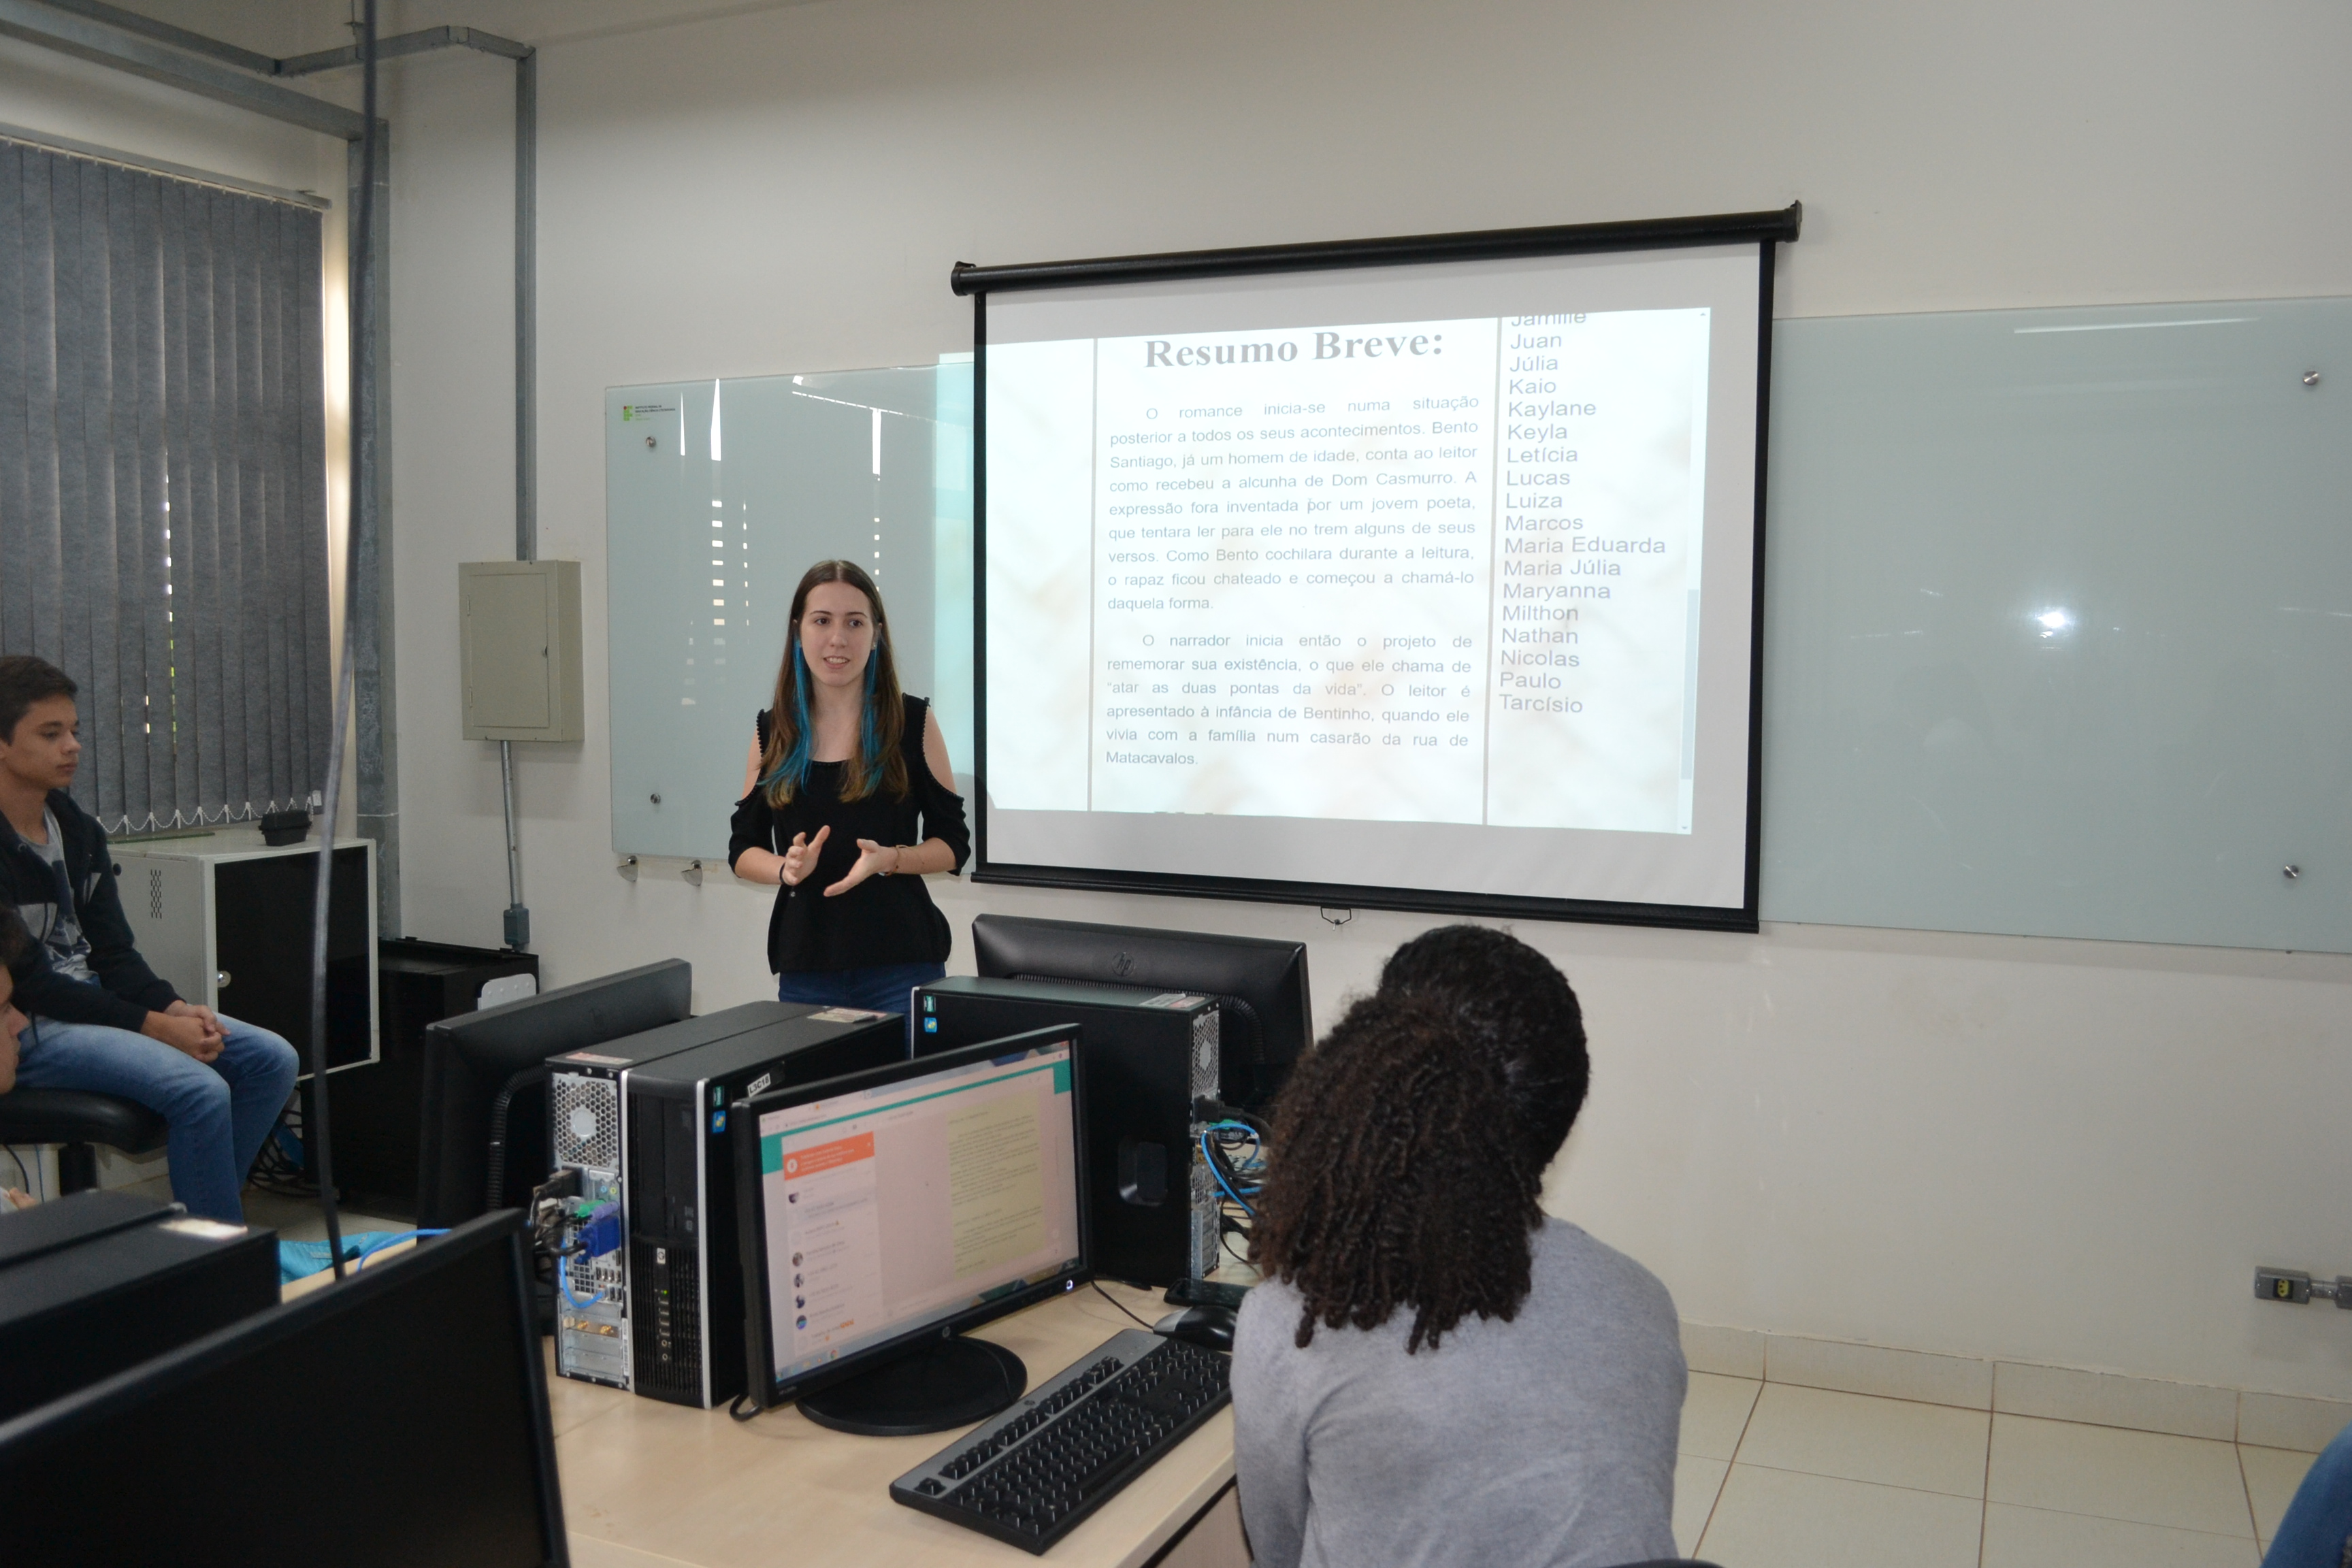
(646, 1483)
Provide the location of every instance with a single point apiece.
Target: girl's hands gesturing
(800, 859)
(872, 860)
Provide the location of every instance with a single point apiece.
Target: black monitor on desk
(884, 1213)
(472, 1059)
(398, 1417)
(1267, 1019)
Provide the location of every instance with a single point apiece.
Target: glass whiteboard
(2058, 609)
(2058, 626)
(719, 495)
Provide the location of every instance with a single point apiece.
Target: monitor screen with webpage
(916, 1199)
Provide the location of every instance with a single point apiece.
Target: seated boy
(99, 1019)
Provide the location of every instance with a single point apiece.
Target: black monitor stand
(939, 1384)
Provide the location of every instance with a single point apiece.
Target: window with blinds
(162, 481)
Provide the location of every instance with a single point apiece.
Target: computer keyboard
(1030, 1474)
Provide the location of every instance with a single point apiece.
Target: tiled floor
(299, 1219)
(1778, 1475)
(1775, 1474)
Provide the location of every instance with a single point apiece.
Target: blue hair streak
(796, 762)
(796, 766)
(869, 738)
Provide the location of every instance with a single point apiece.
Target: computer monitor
(885, 1212)
(1152, 1217)
(470, 1060)
(1260, 984)
(398, 1417)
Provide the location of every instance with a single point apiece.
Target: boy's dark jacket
(127, 990)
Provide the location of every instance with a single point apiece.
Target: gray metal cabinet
(227, 920)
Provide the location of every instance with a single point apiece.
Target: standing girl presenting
(846, 802)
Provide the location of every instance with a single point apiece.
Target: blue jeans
(880, 989)
(217, 1112)
(2317, 1529)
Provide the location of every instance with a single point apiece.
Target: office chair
(77, 1121)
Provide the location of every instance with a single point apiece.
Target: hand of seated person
(11, 1198)
(202, 1014)
(183, 1032)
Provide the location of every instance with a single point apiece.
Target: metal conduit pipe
(516, 932)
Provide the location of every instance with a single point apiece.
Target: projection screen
(1416, 573)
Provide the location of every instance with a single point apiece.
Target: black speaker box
(98, 1281)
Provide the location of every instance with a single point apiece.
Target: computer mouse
(1211, 1327)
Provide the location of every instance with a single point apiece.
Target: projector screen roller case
(1428, 585)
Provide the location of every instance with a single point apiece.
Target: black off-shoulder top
(883, 919)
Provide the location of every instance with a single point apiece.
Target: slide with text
(1432, 570)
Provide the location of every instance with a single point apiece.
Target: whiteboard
(718, 495)
(1939, 753)
(2058, 624)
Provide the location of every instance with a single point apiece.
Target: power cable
(1117, 1302)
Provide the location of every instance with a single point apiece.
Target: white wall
(44, 90)
(2042, 1149)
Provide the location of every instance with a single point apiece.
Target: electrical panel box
(518, 642)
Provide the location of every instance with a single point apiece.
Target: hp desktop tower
(644, 1121)
(1153, 1209)
(586, 1134)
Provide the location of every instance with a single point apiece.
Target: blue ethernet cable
(1220, 1176)
(599, 1235)
(563, 1283)
(392, 1239)
(1256, 1160)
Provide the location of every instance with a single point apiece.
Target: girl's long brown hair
(880, 760)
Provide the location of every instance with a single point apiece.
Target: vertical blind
(162, 481)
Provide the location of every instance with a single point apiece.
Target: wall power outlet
(2295, 1288)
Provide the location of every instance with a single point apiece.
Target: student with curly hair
(1433, 1372)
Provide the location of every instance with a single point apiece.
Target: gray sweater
(1548, 1440)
